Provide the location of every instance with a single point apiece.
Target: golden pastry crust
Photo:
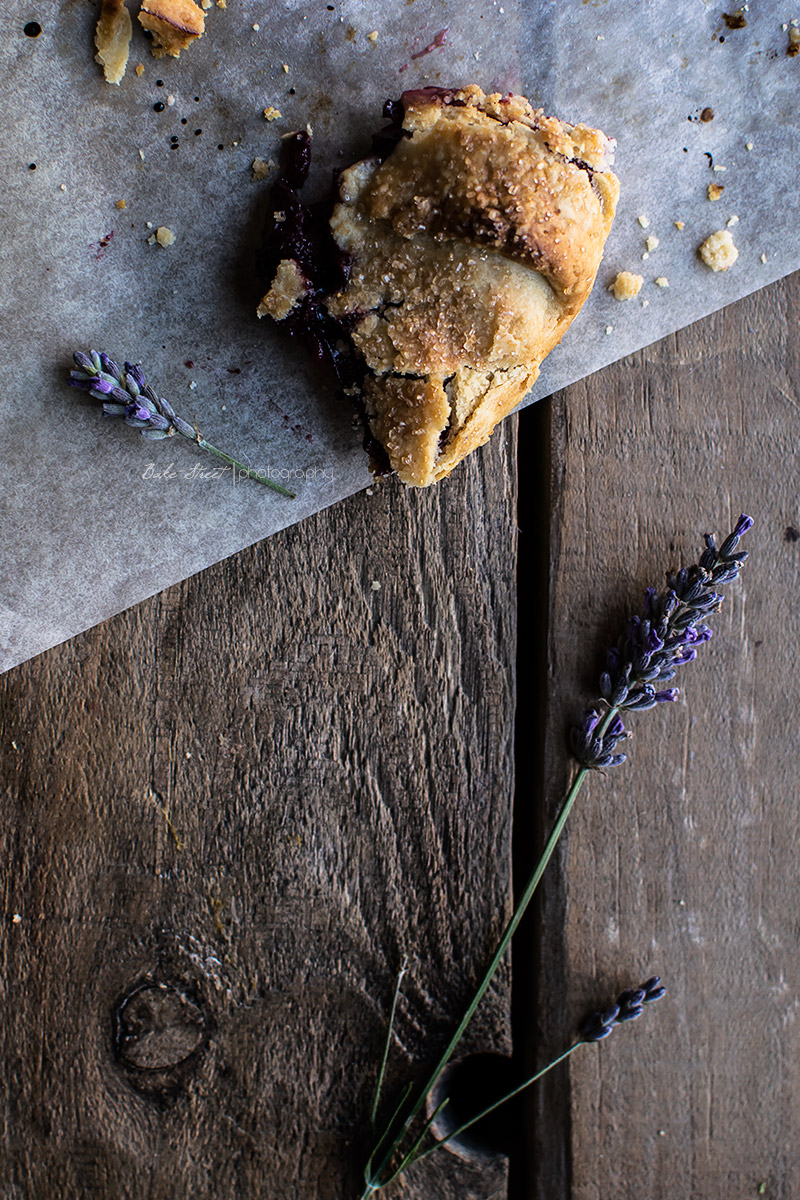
(113, 38)
(175, 24)
(474, 245)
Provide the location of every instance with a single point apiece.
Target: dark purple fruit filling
(301, 232)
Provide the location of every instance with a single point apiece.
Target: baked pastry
(453, 260)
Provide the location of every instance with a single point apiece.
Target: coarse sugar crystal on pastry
(453, 260)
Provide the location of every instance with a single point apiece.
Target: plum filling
(301, 233)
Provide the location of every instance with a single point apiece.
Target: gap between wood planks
(540, 1164)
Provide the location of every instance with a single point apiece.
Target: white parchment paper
(94, 518)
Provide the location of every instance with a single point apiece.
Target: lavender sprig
(628, 1006)
(665, 637)
(655, 644)
(125, 393)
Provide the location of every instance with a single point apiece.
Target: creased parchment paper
(95, 518)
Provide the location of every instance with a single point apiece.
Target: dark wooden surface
(227, 813)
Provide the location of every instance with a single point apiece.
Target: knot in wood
(158, 1027)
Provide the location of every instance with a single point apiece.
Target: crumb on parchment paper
(163, 236)
(626, 285)
(718, 251)
(175, 24)
(678, 224)
(643, 221)
(113, 38)
(714, 191)
(271, 114)
(139, 69)
(661, 282)
(120, 204)
(651, 244)
(261, 167)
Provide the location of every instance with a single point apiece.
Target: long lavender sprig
(654, 646)
(125, 393)
(665, 637)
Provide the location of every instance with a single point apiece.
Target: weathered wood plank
(683, 861)
(226, 814)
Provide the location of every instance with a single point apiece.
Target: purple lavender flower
(665, 637)
(125, 393)
(628, 1006)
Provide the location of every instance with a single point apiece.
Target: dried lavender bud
(665, 637)
(628, 1006)
(129, 396)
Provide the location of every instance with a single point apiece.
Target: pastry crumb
(139, 69)
(206, 4)
(17, 918)
(62, 187)
(626, 285)
(763, 258)
(748, 145)
(175, 24)
(370, 491)
(717, 167)
(645, 256)
(286, 68)
(718, 251)
(643, 221)
(662, 281)
(794, 41)
(271, 114)
(192, 388)
(256, 27)
(678, 224)
(113, 39)
(120, 204)
(164, 235)
(261, 167)
(170, 100)
(651, 244)
(714, 191)
(732, 220)
(375, 585)
(222, 3)
(372, 37)
(288, 288)
(645, 304)
(141, 155)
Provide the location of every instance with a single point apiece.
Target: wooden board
(226, 815)
(195, 1006)
(682, 862)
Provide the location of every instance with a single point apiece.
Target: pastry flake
(113, 38)
(454, 259)
(175, 24)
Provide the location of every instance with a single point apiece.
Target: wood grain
(226, 814)
(684, 861)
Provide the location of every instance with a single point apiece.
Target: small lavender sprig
(628, 1006)
(665, 637)
(126, 394)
